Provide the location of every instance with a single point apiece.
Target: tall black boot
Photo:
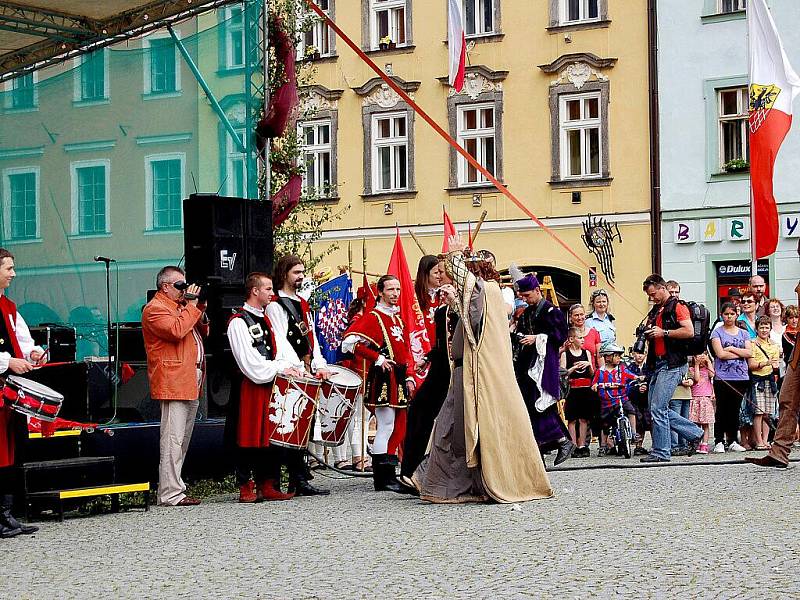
(7, 519)
(383, 475)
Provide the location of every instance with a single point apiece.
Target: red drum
(337, 398)
(291, 410)
(32, 398)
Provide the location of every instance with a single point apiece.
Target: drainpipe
(655, 156)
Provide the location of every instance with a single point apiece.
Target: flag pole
(364, 421)
(753, 259)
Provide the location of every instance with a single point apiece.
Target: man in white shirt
(257, 463)
(293, 326)
(18, 355)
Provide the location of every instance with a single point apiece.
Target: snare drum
(337, 398)
(32, 398)
(291, 410)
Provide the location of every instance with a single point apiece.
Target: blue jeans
(682, 408)
(663, 382)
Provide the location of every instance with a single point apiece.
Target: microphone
(103, 259)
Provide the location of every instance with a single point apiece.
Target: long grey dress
(443, 476)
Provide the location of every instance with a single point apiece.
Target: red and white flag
(414, 321)
(456, 44)
(773, 87)
(449, 231)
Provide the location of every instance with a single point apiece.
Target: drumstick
(480, 224)
(54, 364)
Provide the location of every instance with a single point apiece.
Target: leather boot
(8, 532)
(269, 489)
(247, 492)
(383, 475)
(303, 488)
(8, 520)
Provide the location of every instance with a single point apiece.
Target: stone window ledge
(387, 196)
(581, 183)
(579, 26)
(474, 189)
(398, 50)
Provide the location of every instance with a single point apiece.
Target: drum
(291, 410)
(32, 398)
(337, 398)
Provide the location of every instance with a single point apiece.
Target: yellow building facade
(555, 104)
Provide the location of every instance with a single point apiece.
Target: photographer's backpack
(701, 321)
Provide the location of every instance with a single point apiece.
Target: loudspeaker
(131, 342)
(60, 341)
(226, 238)
(71, 381)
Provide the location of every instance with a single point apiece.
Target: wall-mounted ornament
(599, 235)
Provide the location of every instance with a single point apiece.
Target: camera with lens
(640, 345)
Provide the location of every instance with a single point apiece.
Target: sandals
(343, 465)
(362, 463)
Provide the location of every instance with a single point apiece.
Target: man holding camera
(172, 325)
(669, 324)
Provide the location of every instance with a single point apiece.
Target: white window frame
(75, 194)
(743, 108)
(478, 4)
(148, 183)
(320, 32)
(480, 133)
(148, 90)
(741, 5)
(317, 150)
(230, 31)
(563, 11)
(8, 104)
(376, 6)
(77, 91)
(232, 154)
(395, 141)
(583, 124)
(7, 202)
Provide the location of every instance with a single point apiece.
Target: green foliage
(737, 165)
(304, 225)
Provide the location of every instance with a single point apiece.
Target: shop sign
(711, 230)
(790, 226)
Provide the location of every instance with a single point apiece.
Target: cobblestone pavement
(711, 531)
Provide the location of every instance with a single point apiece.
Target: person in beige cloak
(482, 447)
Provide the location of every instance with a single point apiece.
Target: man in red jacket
(18, 356)
(173, 327)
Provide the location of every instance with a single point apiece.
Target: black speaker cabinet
(59, 340)
(71, 381)
(226, 238)
(131, 342)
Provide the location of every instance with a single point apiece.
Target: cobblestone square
(705, 531)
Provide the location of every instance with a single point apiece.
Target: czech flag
(773, 87)
(456, 44)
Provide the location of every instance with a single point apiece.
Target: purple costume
(548, 428)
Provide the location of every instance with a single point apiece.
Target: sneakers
(602, 451)
(639, 451)
(736, 447)
(679, 452)
(650, 458)
(582, 452)
(719, 448)
(702, 449)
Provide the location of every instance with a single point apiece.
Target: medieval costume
(15, 342)
(430, 396)
(293, 327)
(536, 369)
(482, 446)
(253, 347)
(376, 337)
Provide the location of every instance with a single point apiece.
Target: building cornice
(482, 70)
(322, 91)
(585, 57)
(376, 82)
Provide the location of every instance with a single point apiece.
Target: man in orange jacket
(173, 327)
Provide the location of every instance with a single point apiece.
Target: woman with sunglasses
(747, 319)
(600, 319)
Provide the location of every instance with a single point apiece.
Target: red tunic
(434, 302)
(8, 310)
(254, 428)
(384, 335)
